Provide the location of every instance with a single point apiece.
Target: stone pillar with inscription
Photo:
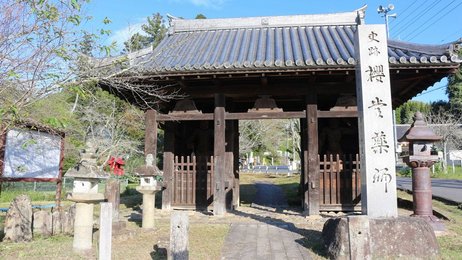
(379, 232)
(378, 174)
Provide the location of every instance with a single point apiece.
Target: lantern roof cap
(419, 131)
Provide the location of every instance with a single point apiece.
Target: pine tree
(155, 29)
(153, 33)
(454, 92)
(200, 16)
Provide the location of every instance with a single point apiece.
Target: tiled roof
(265, 43)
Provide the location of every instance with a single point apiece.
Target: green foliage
(405, 112)
(450, 173)
(405, 172)
(268, 138)
(454, 92)
(154, 31)
(136, 42)
(200, 16)
(131, 164)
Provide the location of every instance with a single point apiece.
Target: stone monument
(18, 221)
(378, 233)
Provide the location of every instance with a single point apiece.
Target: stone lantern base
(83, 225)
(149, 198)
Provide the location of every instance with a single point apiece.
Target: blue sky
(429, 22)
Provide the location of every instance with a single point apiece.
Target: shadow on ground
(311, 240)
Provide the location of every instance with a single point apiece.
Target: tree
(405, 112)
(200, 16)
(446, 125)
(46, 57)
(454, 91)
(154, 31)
(267, 138)
(38, 41)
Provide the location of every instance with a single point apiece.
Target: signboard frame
(36, 130)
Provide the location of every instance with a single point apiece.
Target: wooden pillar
(303, 166)
(236, 190)
(169, 149)
(219, 195)
(311, 177)
(150, 136)
(229, 163)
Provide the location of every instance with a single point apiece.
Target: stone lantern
(85, 193)
(149, 186)
(420, 159)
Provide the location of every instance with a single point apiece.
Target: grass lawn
(289, 184)
(454, 173)
(207, 235)
(451, 241)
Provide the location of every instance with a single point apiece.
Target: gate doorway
(192, 182)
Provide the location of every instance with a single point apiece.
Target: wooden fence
(340, 182)
(192, 181)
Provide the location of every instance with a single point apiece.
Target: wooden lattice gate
(192, 182)
(340, 182)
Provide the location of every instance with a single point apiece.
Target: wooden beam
(184, 117)
(169, 149)
(264, 115)
(219, 195)
(254, 115)
(150, 137)
(311, 180)
(337, 114)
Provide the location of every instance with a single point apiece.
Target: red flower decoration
(116, 164)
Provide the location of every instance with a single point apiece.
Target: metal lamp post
(385, 10)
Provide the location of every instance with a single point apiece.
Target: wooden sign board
(32, 156)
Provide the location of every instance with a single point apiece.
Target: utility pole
(384, 11)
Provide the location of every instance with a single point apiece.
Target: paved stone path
(269, 195)
(275, 240)
(251, 241)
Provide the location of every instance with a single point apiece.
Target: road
(443, 188)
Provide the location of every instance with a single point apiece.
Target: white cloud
(124, 34)
(205, 3)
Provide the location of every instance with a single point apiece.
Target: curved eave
(282, 70)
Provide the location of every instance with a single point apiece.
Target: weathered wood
(59, 184)
(264, 115)
(303, 185)
(236, 190)
(105, 231)
(256, 115)
(184, 117)
(312, 177)
(179, 240)
(337, 114)
(112, 195)
(150, 137)
(339, 183)
(219, 197)
(169, 148)
(229, 163)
